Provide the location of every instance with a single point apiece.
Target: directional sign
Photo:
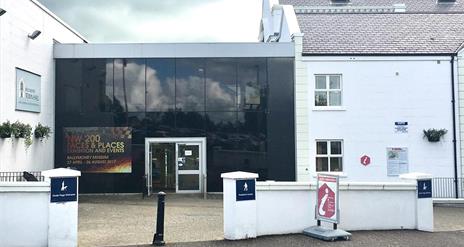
(245, 190)
(424, 188)
(63, 190)
(327, 198)
(365, 160)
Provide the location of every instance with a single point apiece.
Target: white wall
(288, 207)
(377, 92)
(24, 214)
(17, 50)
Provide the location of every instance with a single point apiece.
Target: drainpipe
(453, 103)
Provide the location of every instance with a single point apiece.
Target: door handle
(181, 161)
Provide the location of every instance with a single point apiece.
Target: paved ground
(129, 221)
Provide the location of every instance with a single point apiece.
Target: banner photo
(27, 91)
(98, 149)
(327, 198)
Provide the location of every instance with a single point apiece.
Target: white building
(31, 57)
(368, 81)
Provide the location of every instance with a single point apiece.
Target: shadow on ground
(193, 221)
(360, 239)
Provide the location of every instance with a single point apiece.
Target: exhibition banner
(98, 149)
(327, 198)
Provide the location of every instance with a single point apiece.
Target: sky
(161, 20)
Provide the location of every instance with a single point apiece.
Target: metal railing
(19, 176)
(446, 188)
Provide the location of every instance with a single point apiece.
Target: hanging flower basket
(434, 135)
(42, 132)
(21, 130)
(5, 130)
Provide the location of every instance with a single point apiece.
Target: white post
(424, 201)
(63, 207)
(239, 205)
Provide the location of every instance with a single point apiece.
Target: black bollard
(158, 238)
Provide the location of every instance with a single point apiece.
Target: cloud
(162, 20)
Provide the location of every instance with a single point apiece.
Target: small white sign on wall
(397, 161)
(188, 152)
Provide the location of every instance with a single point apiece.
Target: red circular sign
(365, 160)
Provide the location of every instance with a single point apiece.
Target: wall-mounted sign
(365, 160)
(63, 189)
(98, 149)
(327, 198)
(424, 188)
(397, 161)
(401, 127)
(27, 91)
(245, 190)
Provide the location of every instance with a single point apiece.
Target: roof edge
(51, 14)
(460, 48)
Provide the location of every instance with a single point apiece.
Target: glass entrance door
(162, 167)
(188, 167)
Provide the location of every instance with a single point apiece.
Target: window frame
(329, 154)
(328, 90)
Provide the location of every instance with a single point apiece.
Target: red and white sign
(327, 198)
(365, 160)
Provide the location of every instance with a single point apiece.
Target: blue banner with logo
(63, 189)
(424, 188)
(245, 190)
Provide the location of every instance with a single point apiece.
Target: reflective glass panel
(188, 182)
(160, 124)
(68, 85)
(188, 157)
(190, 85)
(335, 98)
(221, 86)
(336, 164)
(97, 85)
(129, 84)
(252, 82)
(320, 82)
(335, 147)
(160, 84)
(190, 124)
(334, 81)
(321, 147)
(322, 164)
(321, 98)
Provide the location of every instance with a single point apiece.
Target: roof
(59, 20)
(385, 33)
(411, 5)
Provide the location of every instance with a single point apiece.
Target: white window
(328, 90)
(329, 156)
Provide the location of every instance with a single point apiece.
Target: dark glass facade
(243, 106)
